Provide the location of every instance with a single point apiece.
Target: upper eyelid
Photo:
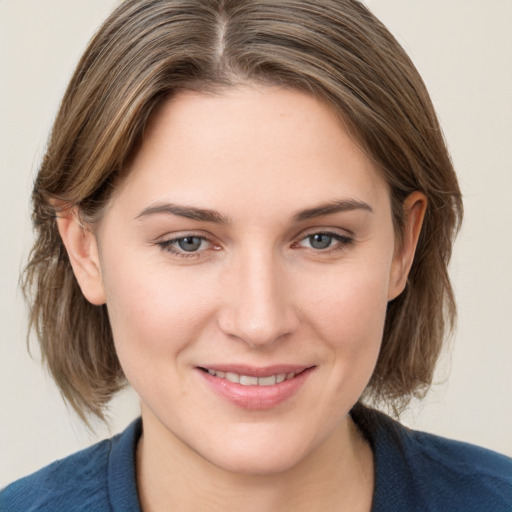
(303, 234)
(169, 237)
(345, 233)
(175, 239)
(336, 236)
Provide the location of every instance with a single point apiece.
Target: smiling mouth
(253, 388)
(250, 380)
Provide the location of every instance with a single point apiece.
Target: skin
(256, 290)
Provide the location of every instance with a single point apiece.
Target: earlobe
(415, 206)
(82, 248)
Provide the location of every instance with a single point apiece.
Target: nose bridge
(257, 309)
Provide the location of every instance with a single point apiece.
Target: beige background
(463, 48)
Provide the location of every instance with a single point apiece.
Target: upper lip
(256, 371)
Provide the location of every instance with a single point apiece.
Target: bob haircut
(146, 51)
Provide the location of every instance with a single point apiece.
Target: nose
(257, 303)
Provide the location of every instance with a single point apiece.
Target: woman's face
(246, 263)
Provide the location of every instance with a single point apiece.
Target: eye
(324, 241)
(320, 240)
(189, 245)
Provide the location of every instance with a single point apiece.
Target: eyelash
(343, 242)
(170, 246)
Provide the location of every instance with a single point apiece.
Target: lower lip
(256, 397)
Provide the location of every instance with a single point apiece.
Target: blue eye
(325, 241)
(320, 240)
(189, 243)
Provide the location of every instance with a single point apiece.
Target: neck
(337, 475)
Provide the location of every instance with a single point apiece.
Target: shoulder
(80, 482)
(458, 458)
(456, 474)
(421, 471)
(79, 478)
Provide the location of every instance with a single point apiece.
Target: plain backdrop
(463, 49)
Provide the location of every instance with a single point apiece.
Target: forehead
(258, 146)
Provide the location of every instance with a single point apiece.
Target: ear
(414, 207)
(82, 248)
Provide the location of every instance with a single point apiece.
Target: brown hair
(149, 49)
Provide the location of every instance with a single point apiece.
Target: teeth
(247, 380)
(232, 377)
(267, 381)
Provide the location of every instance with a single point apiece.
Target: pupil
(190, 243)
(320, 241)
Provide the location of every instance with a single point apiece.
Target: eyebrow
(189, 212)
(206, 215)
(345, 205)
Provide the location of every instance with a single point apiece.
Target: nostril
(257, 311)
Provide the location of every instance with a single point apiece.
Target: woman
(246, 211)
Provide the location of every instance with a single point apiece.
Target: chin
(253, 462)
(259, 454)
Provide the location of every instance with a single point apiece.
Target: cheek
(349, 306)
(154, 313)
(345, 313)
(349, 319)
